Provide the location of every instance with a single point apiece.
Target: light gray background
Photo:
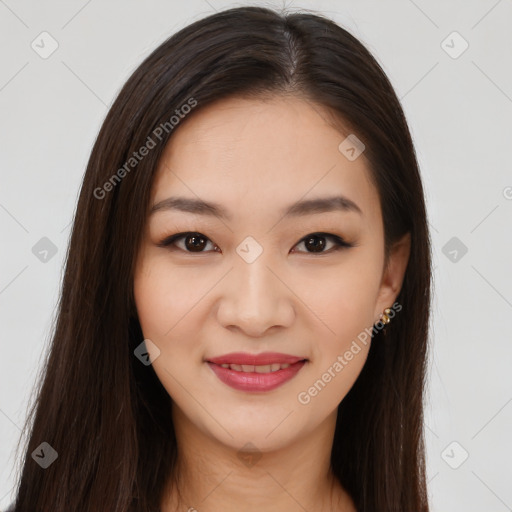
(459, 110)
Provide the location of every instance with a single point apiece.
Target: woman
(244, 312)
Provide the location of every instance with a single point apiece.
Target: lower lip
(252, 381)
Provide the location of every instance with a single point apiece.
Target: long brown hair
(106, 415)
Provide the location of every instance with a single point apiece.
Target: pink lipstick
(256, 372)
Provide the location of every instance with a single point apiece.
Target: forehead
(246, 153)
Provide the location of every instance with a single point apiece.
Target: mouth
(256, 372)
(249, 368)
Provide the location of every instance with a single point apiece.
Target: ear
(393, 275)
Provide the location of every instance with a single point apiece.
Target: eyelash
(340, 244)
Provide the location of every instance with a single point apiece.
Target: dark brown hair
(106, 414)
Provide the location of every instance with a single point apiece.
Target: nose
(255, 298)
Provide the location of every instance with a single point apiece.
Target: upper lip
(255, 359)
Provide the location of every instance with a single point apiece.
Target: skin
(256, 157)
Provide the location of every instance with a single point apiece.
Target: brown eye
(316, 243)
(193, 242)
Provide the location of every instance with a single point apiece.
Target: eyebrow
(300, 208)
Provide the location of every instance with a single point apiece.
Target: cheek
(341, 343)
(153, 301)
(165, 305)
(343, 301)
(164, 298)
(343, 297)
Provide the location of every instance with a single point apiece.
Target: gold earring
(385, 316)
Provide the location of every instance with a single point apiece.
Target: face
(246, 275)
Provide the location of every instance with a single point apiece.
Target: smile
(273, 370)
(248, 368)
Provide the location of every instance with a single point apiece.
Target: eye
(195, 242)
(316, 243)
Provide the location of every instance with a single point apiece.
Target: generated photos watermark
(137, 156)
(304, 397)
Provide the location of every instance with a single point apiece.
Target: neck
(213, 477)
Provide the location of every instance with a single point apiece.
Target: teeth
(249, 368)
